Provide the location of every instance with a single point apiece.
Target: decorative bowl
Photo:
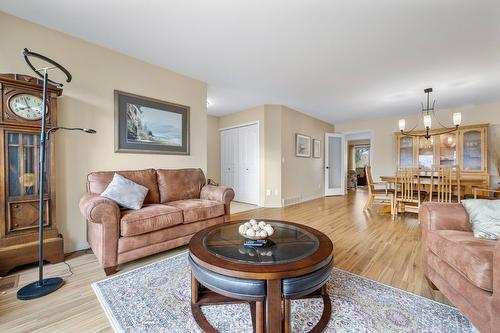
(257, 229)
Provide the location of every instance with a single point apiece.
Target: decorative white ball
(253, 222)
(242, 229)
(263, 233)
(250, 232)
(255, 227)
(248, 225)
(262, 224)
(270, 231)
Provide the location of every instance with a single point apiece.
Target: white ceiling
(336, 60)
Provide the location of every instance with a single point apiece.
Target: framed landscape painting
(302, 145)
(150, 126)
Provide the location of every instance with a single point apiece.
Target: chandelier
(428, 114)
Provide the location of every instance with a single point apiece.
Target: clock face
(27, 106)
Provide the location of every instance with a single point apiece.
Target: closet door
(248, 163)
(229, 156)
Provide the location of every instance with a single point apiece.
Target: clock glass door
(22, 180)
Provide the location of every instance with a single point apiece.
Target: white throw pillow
(125, 192)
(484, 215)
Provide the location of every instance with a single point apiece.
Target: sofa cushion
(149, 218)
(471, 257)
(199, 209)
(98, 181)
(180, 184)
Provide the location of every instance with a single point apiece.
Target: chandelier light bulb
(457, 118)
(402, 124)
(427, 121)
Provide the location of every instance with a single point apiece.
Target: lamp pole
(41, 164)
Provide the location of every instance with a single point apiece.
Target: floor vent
(8, 282)
(291, 201)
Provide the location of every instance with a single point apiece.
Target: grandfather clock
(20, 113)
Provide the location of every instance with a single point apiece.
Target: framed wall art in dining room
(150, 126)
(302, 145)
(316, 148)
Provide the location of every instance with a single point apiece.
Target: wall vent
(292, 201)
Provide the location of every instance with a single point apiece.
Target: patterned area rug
(156, 298)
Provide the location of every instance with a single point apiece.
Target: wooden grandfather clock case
(20, 125)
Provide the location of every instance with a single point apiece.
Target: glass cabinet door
(426, 152)
(472, 150)
(406, 151)
(448, 149)
(22, 157)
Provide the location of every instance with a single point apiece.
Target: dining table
(467, 182)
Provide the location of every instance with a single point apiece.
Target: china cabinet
(21, 108)
(466, 148)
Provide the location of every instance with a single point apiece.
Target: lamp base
(36, 290)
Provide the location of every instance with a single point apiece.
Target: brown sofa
(465, 269)
(177, 205)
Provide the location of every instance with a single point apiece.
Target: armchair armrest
(444, 216)
(98, 209)
(218, 193)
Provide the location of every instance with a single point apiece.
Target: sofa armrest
(495, 321)
(98, 209)
(103, 227)
(444, 216)
(218, 193)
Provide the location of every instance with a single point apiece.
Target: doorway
(240, 161)
(359, 155)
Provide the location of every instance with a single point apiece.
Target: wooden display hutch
(20, 112)
(466, 147)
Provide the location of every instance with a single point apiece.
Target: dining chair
(378, 195)
(481, 192)
(444, 178)
(408, 192)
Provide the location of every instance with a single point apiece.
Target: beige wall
(273, 154)
(88, 102)
(213, 148)
(383, 146)
(282, 174)
(302, 177)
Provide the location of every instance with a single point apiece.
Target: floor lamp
(43, 286)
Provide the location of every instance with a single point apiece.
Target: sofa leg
(110, 270)
(431, 284)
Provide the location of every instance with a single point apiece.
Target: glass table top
(288, 243)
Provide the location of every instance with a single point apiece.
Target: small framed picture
(150, 126)
(302, 145)
(316, 148)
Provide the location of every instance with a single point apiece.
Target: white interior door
(334, 164)
(240, 162)
(229, 151)
(248, 138)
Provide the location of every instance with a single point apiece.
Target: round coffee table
(295, 264)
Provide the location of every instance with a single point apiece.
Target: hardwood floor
(368, 244)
